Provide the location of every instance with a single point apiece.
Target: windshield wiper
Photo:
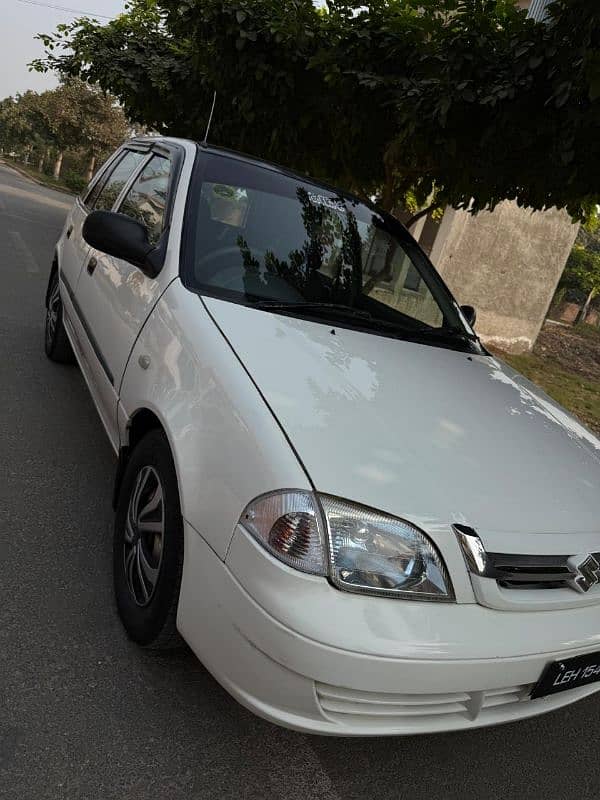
(340, 310)
(335, 308)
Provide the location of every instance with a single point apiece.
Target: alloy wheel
(52, 313)
(144, 535)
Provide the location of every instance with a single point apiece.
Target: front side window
(104, 194)
(265, 238)
(146, 200)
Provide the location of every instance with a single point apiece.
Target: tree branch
(422, 213)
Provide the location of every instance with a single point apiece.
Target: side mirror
(120, 236)
(469, 314)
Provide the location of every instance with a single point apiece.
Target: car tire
(56, 342)
(148, 545)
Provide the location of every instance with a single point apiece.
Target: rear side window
(146, 199)
(106, 191)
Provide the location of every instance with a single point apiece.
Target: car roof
(254, 161)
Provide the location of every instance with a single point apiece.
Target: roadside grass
(40, 177)
(579, 395)
(590, 332)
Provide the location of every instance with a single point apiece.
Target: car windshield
(278, 242)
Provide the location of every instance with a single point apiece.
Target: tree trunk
(90, 170)
(58, 166)
(583, 311)
(43, 158)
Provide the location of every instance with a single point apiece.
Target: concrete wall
(507, 264)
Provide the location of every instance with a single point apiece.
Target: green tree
(467, 102)
(74, 116)
(582, 273)
(16, 125)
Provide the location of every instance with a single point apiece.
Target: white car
(359, 520)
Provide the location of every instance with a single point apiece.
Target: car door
(74, 248)
(114, 298)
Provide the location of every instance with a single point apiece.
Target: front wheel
(56, 343)
(148, 545)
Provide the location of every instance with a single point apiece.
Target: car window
(105, 192)
(146, 200)
(265, 236)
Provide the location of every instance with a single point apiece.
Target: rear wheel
(148, 545)
(56, 343)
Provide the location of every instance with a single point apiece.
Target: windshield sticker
(327, 202)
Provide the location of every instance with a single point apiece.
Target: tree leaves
(582, 271)
(469, 96)
(73, 115)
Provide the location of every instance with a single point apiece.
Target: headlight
(374, 553)
(368, 552)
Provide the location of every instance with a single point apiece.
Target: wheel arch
(53, 271)
(141, 422)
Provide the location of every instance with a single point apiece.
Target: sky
(19, 23)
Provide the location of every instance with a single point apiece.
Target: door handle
(92, 264)
(69, 231)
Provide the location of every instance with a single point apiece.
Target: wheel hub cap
(144, 536)
(52, 313)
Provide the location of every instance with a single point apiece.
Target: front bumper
(302, 654)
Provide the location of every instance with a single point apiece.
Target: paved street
(86, 714)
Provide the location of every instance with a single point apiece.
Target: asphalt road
(84, 713)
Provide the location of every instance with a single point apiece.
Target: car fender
(227, 446)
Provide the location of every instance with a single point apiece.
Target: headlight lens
(368, 552)
(378, 554)
(288, 524)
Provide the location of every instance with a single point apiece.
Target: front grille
(518, 571)
(528, 571)
(385, 710)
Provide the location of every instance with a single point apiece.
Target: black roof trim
(282, 170)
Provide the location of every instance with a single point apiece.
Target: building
(536, 8)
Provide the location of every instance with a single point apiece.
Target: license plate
(570, 673)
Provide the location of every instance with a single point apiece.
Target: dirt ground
(574, 349)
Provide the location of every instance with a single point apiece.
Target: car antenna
(205, 142)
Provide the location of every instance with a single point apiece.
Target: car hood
(426, 433)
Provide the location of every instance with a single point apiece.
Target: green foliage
(16, 122)
(75, 182)
(582, 271)
(464, 100)
(73, 117)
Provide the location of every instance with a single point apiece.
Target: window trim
(129, 186)
(175, 154)
(129, 182)
(105, 171)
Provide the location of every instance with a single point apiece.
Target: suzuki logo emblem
(586, 572)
